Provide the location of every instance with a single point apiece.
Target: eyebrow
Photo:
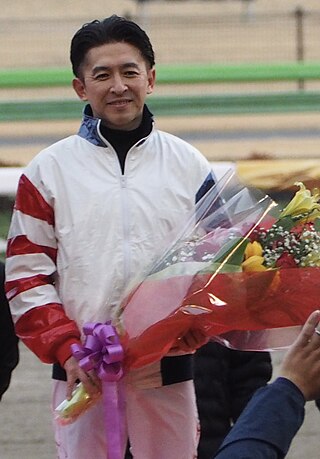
(104, 68)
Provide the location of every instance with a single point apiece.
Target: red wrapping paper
(160, 311)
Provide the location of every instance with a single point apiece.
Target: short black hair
(113, 29)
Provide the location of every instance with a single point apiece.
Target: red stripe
(20, 245)
(48, 332)
(17, 286)
(30, 202)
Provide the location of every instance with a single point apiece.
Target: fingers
(95, 380)
(91, 383)
(75, 374)
(70, 387)
(308, 331)
(301, 364)
(71, 366)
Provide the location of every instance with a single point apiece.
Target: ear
(79, 88)
(151, 80)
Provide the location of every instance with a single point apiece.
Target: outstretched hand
(301, 364)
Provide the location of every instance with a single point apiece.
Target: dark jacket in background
(225, 380)
(9, 352)
(264, 431)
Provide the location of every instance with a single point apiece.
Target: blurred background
(259, 101)
(239, 79)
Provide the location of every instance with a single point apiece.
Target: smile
(119, 103)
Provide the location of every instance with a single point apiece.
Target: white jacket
(81, 230)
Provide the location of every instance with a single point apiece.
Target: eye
(131, 73)
(102, 76)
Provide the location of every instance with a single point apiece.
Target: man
(274, 415)
(9, 351)
(91, 211)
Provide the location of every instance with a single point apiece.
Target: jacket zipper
(126, 233)
(124, 212)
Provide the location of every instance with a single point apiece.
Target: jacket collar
(89, 128)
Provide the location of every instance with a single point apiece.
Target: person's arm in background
(9, 350)
(275, 413)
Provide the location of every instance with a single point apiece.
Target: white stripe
(31, 299)
(37, 231)
(20, 266)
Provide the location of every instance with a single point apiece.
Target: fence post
(299, 21)
(142, 13)
(247, 7)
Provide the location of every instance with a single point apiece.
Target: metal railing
(191, 104)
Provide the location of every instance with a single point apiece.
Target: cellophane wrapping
(240, 269)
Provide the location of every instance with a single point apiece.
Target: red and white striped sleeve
(39, 317)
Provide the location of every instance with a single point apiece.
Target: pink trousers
(162, 423)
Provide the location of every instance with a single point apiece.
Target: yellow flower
(253, 248)
(303, 202)
(254, 263)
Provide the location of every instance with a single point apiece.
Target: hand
(301, 364)
(91, 382)
(189, 342)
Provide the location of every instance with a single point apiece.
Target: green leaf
(233, 249)
(287, 223)
(221, 268)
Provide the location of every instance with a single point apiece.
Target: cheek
(142, 90)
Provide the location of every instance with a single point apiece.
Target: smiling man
(115, 78)
(91, 211)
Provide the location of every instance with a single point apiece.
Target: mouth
(119, 102)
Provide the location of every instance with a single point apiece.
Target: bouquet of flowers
(241, 271)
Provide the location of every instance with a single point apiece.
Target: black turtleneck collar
(122, 141)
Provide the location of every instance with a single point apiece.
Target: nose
(118, 85)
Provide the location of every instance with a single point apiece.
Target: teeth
(120, 102)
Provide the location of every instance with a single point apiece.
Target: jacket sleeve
(40, 320)
(265, 431)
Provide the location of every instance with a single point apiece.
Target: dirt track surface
(25, 428)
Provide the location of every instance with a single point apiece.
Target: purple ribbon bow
(103, 352)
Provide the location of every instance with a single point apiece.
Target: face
(115, 81)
